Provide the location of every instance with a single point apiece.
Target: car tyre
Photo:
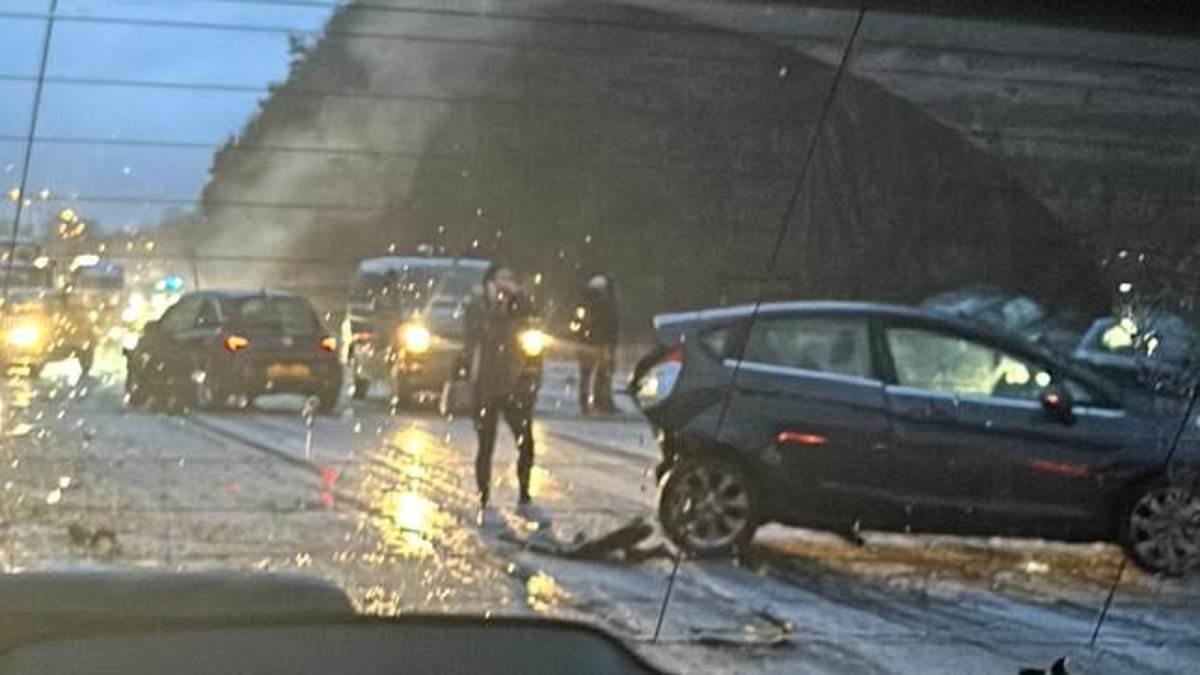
(708, 507)
(327, 400)
(403, 395)
(135, 392)
(207, 392)
(1162, 529)
(86, 357)
(359, 388)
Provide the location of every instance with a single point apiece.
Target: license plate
(288, 371)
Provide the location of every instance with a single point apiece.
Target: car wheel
(135, 392)
(327, 400)
(207, 391)
(86, 358)
(359, 388)
(708, 507)
(402, 393)
(1162, 530)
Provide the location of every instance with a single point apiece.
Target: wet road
(381, 501)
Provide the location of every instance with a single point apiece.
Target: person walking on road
(505, 373)
(595, 324)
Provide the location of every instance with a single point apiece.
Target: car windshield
(772, 336)
(101, 281)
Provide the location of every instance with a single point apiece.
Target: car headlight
(24, 336)
(533, 342)
(415, 338)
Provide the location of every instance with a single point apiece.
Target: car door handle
(941, 411)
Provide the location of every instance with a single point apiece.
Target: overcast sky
(91, 41)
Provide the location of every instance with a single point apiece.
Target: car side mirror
(1058, 405)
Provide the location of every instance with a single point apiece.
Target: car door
(1043, 475)
(928, 461)
(974, 449)
(806, 396)
(166, 351)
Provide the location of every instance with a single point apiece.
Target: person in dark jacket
(503, 362)
(595, 325)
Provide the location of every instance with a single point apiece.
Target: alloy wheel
(1164, 530)
(707, 508)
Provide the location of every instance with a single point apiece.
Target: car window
(1165, 339)
(291, 315)
(182, 316)
(1083, 394)
(827, 345)
(955, 365)
(208, 316)
(1021, 312)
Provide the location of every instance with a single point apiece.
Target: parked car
(852, 416)
(214, 346)
(404, 322)
(1157, 351)
(1008, 311)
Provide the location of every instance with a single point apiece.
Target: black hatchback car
(849, 416)
(213, 346)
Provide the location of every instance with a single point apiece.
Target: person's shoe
(531, 512)
(488, 518)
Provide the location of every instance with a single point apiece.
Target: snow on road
(382, 503)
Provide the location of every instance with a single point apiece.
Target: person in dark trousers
(505, 372)
(595, 324)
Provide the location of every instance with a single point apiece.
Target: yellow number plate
(288, 371)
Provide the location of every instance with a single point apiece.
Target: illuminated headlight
(24, 336)
(533, 342)
(415, 338)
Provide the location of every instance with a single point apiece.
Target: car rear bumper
(281, 374)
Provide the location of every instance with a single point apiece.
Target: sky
(107, 62)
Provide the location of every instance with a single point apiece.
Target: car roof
(914, 315)
(826, 307)
(385, 264)
(242, 294)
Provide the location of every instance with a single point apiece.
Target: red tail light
(236, 343)
(328, 344)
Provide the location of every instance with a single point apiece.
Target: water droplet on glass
(54, 496)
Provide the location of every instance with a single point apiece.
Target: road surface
(381, 501)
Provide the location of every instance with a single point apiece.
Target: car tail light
(657, 383)
(328, 344)
(236, 343)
